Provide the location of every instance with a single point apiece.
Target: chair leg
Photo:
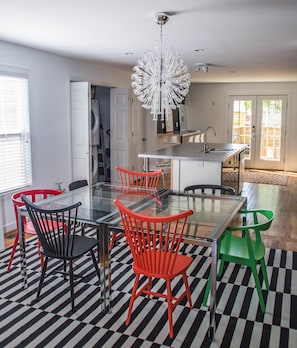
(64, 269)
(71, 284)
(95, 264)
(149, 286)
(112, 240)
(207, 290)
(169, 308)
(114, 237)
(188, 292)
(42, 277)
(258, 287)
(133, 295)
(15, 243)
(264, 272)
(40, 255)
(221, 268)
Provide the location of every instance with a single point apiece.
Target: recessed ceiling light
(199, 50)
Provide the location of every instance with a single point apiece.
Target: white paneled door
(119, 133)
(259, 122)
(127, 133)
(80, 130)
(137, 134)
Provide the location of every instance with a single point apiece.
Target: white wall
(49, 77)
(50, 110)
(207, 105)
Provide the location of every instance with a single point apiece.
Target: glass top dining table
(211, 215)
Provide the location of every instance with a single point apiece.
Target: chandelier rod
(161, 70)
(161, 19)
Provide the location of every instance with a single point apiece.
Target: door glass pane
(242, 122)
(271, 130)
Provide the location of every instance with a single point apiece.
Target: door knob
(254, 131)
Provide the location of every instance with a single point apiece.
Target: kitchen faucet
(205, 147)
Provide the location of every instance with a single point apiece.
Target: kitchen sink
(223, 151)
(218, 151)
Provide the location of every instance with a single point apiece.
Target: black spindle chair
(213, 189)
(77, 184)
(56, 231)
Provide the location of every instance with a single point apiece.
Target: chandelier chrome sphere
(161, 80)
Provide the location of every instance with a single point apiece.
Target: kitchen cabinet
(182, 137)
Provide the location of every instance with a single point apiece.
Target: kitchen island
(191, 164)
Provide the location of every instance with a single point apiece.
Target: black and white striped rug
(240, 323)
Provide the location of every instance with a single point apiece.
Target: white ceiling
(243, 40)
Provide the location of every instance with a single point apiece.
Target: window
(15, 146)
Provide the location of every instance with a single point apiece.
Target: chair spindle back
(139, 179)
(55, 228)
(154, 241)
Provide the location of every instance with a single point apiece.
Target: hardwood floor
(282, 200)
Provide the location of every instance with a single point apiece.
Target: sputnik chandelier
(161, 79)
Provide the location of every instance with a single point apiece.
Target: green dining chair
(243, 245)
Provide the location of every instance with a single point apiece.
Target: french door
(259, 122)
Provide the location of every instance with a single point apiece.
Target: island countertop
(194, 151)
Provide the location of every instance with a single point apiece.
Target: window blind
(15, 145)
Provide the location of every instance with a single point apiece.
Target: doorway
(259, 122)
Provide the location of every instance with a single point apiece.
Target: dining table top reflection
(211, 214)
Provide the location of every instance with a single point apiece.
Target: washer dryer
(94, 164)
(95, 122)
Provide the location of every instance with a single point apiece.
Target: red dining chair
(154, 243)
(139, 179)
(130, 178)
(34, 195)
